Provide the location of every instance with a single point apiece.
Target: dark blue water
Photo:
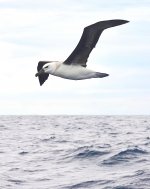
(74, 152)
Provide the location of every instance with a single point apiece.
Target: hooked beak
(40, 72)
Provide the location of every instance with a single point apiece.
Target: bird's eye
(46, 67)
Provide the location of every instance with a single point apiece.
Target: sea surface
(74, 152)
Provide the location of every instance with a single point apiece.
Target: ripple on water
(89, 184)
(74, 152)
(125, 156)
(87, 152)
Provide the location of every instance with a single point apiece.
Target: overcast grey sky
(49, 30)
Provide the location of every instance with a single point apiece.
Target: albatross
(75, 66)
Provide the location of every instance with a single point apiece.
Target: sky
(31, 31)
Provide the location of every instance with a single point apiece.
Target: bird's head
(46, 69)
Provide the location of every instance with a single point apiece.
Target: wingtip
(41, 83)
(126, 21)
(118, 22)
(123, 21)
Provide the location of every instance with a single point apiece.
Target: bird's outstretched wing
(42, 77)
(88, 41)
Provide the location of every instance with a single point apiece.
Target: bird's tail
(100, 75)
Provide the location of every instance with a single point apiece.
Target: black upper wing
(42, 77)
(88, 41)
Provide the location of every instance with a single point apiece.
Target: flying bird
(74, 67)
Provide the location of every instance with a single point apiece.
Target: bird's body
(72, 72)
(74, 67)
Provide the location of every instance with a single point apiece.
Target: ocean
(74, 152)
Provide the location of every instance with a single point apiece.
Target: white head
(48, 68)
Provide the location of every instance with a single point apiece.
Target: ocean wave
(124, 187)
(88, 152)
(125, 156)
(23, 153)
(48, 139)
(16, 181)
(108, 152)
(89, 184)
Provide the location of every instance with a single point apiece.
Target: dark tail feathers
(100, 75)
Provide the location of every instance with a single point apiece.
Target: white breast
(73, 72)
